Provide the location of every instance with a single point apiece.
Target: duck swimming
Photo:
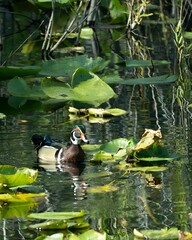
(49, 151)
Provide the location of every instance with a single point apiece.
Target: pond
(139, 200)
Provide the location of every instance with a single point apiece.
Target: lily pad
(103, 189)
(57, 215)
(98, 112)
(85, 87)
(163, 79)
(12, 71)
(145, 63)
(162, 234)
(67, 66)
(92, 234)
(11, 176)
(116, 145)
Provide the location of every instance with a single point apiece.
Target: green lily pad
(92, 234)
(117, 144)
(162, 234)
(57, 215)
(145, 63)
(11, 71)
(56, 236)
(67, 66)
(85, 87)
(17, 209)
(102, 189)
(11, 176)
(164, 79)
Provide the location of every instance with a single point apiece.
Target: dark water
(118, 212)
(137, 203)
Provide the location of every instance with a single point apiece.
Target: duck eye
(77, 133)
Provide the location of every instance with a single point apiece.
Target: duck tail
(39, 140)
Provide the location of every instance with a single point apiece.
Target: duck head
(78, 135)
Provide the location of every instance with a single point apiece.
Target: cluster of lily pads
(61, 81)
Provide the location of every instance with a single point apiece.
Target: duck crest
(47, 152)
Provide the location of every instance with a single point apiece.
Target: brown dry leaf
(148, 138)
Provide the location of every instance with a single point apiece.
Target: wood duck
(49, 151)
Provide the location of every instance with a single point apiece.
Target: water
(138, 202)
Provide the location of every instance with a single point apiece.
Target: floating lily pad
(103, 189)
(145, 63)
(12, 71)
(162, 234)
(85, 87)
(67, 66)
(164, 79)
(57, 215)
(98, 112)
(11, 176)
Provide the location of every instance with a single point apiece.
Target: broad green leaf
(19, 197)
(59, 224)
(16, 209)
(89, 88)
(57, 89)
(162, 234)
(164, 79)
(16, 102)
(106, 112)
(67, 66)
(57, 215)
(146, 169)
(12, 176)
(56, 236)
(156, 159)
(18, 87)
(10, 71)
(102, 189)
(115, 145)
(2, 115)
(145, 63)
(92, 235)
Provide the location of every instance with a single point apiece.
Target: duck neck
(74, 139)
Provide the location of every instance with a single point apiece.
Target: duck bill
(84, 138)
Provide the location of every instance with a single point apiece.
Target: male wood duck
(50, 152)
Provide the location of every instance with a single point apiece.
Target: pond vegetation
(51, 68)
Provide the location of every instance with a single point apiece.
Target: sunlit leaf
(85, 87)
(147, 169)
(11, 71)
(92, 235)
(89, 88)
(156, 159)
(162, 234)
(2, 115)
(19, 197)
(102, 189)
(117, 144)
(57, 215)
(62, 224)
(148, 138)
(12, 176)
(17, 208)
(56, 236)
(98, 112)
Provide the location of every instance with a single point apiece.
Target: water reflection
(74, 170)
